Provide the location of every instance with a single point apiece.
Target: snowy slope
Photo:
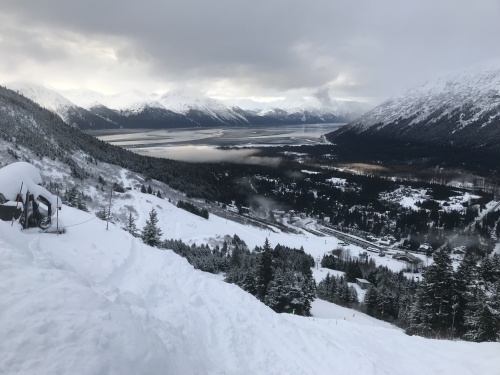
(95, 301)
(479, 86)
(312, 107)
(68, 111)
(133, 100)
(460, 109)
(46, 98)
(184, 103)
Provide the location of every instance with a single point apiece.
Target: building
(363, 284)
(408, 258)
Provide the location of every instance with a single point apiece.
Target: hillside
(107, 303)
(29, 128)
(456, 112)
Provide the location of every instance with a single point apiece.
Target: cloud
(256, 48)
(207, 154)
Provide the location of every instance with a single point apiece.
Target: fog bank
(207, 154)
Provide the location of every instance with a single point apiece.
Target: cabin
(425, 248)
(363, 284)
(408, 258)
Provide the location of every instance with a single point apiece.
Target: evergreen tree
(150, 190)
(278, 293)
(249, 283)
(436, 293)
(151, 234)
(370, 300)
(102, 214)
(158, 194)
(130, 226)
(482, 315)
(143, 189)
(265, 270)
(71, 197)
(465, 277)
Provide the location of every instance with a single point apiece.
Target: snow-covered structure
(21, 191)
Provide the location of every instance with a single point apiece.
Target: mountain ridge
(90, 110)
(458, 111)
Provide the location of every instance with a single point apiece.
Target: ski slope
(97, 301)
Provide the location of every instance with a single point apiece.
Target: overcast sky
(350, 49)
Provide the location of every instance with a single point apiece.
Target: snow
(337, 181)
(183, 101)
(100, 301)
(44, 97)
(478, 86)
(316, 107)
(327, 310)
(309, 172)
(130, 101)
(22, 177)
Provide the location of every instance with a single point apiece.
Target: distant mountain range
(86, 109)
(458, 111)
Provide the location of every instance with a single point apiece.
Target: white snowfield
(97, 301)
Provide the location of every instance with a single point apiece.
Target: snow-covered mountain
(67, 110)
(202, 110)
(129, 101)
(461, 109)
(312, 109)
(88, 109)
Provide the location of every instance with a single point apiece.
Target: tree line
(447, 303)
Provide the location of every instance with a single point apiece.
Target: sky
(263, 50)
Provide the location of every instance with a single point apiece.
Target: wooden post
(109, 208)
(26, 208)
(19, 196)
(57, 211)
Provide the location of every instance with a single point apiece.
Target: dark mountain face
(153, 118)
(86, 120)
(459, 113)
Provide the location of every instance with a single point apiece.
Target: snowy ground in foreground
(97, 301)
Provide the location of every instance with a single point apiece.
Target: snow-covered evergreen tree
(435, 303)
(102, 214)
(131, 226)
(151, 234)
(370, 300)
(465, 277)
(482, 315)
(265, 270)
